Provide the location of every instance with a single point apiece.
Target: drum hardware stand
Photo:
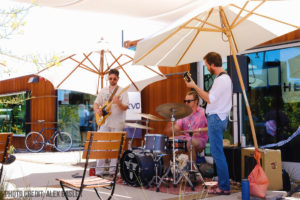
(173, 149)
(156, 178)
(147, 123)
(174, 164)
(130, 142)
(180, 174)
(192, 163)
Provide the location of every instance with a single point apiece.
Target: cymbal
(135, 125)
(178, 110)
(151, 117)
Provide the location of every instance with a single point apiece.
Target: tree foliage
(12, 22)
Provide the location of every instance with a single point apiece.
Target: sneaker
(10, 159)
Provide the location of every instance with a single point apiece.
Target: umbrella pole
(228, 33)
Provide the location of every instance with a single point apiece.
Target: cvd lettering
(134, 106)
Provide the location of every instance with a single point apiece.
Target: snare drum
(155, 143)
(180, 145)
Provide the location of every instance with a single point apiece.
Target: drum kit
(145, 166)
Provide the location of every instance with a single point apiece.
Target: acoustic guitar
(106, 109)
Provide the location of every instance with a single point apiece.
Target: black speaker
(243, 62)
(194, 71)
(233, 157)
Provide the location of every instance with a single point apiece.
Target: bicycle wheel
(34, 142)
(62, 141)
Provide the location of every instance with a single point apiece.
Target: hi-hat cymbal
(151, 117)
(178, 110)
(135, 125)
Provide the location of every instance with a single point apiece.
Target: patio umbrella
(86, 72)
(224, 26)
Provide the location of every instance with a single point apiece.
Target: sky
(49, 31)
(52, 28)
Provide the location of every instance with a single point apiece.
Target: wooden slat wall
(171, 90)
(42, 102)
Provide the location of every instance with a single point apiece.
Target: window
(75, 114)
(274, 94)
(13, 112)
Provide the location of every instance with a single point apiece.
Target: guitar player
(114, 101)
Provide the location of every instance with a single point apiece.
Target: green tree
(12, 22)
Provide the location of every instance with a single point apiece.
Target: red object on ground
(258, 179)
(92, 172)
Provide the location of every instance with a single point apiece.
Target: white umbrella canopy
(86, 72)
(224, 26)
(203, 30)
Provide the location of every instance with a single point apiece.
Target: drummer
(196, 122)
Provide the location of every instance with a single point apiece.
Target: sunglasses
(113, 79)
(188, 101)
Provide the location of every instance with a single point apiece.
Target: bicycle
(35, 141)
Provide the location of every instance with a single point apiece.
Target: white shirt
(117, 117)
(220, 97)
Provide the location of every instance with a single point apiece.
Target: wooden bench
(98, 145)
(5, 142)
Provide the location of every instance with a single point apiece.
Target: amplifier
(270, 161)
(233, 157)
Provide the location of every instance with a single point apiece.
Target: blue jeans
(216, 129)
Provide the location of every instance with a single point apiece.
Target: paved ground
(32, 176)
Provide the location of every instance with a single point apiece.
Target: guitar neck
(121, 92)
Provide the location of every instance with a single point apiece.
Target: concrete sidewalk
(33, 175)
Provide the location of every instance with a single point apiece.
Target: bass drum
(137, 167)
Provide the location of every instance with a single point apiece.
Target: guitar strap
(217, 77)
(204, 103)
(113, 94)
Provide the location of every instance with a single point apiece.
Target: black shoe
(99, 175)
(10, 159)
(76, 175)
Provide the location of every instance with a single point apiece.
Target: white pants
(100, 163)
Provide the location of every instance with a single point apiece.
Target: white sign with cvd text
(134, 107)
